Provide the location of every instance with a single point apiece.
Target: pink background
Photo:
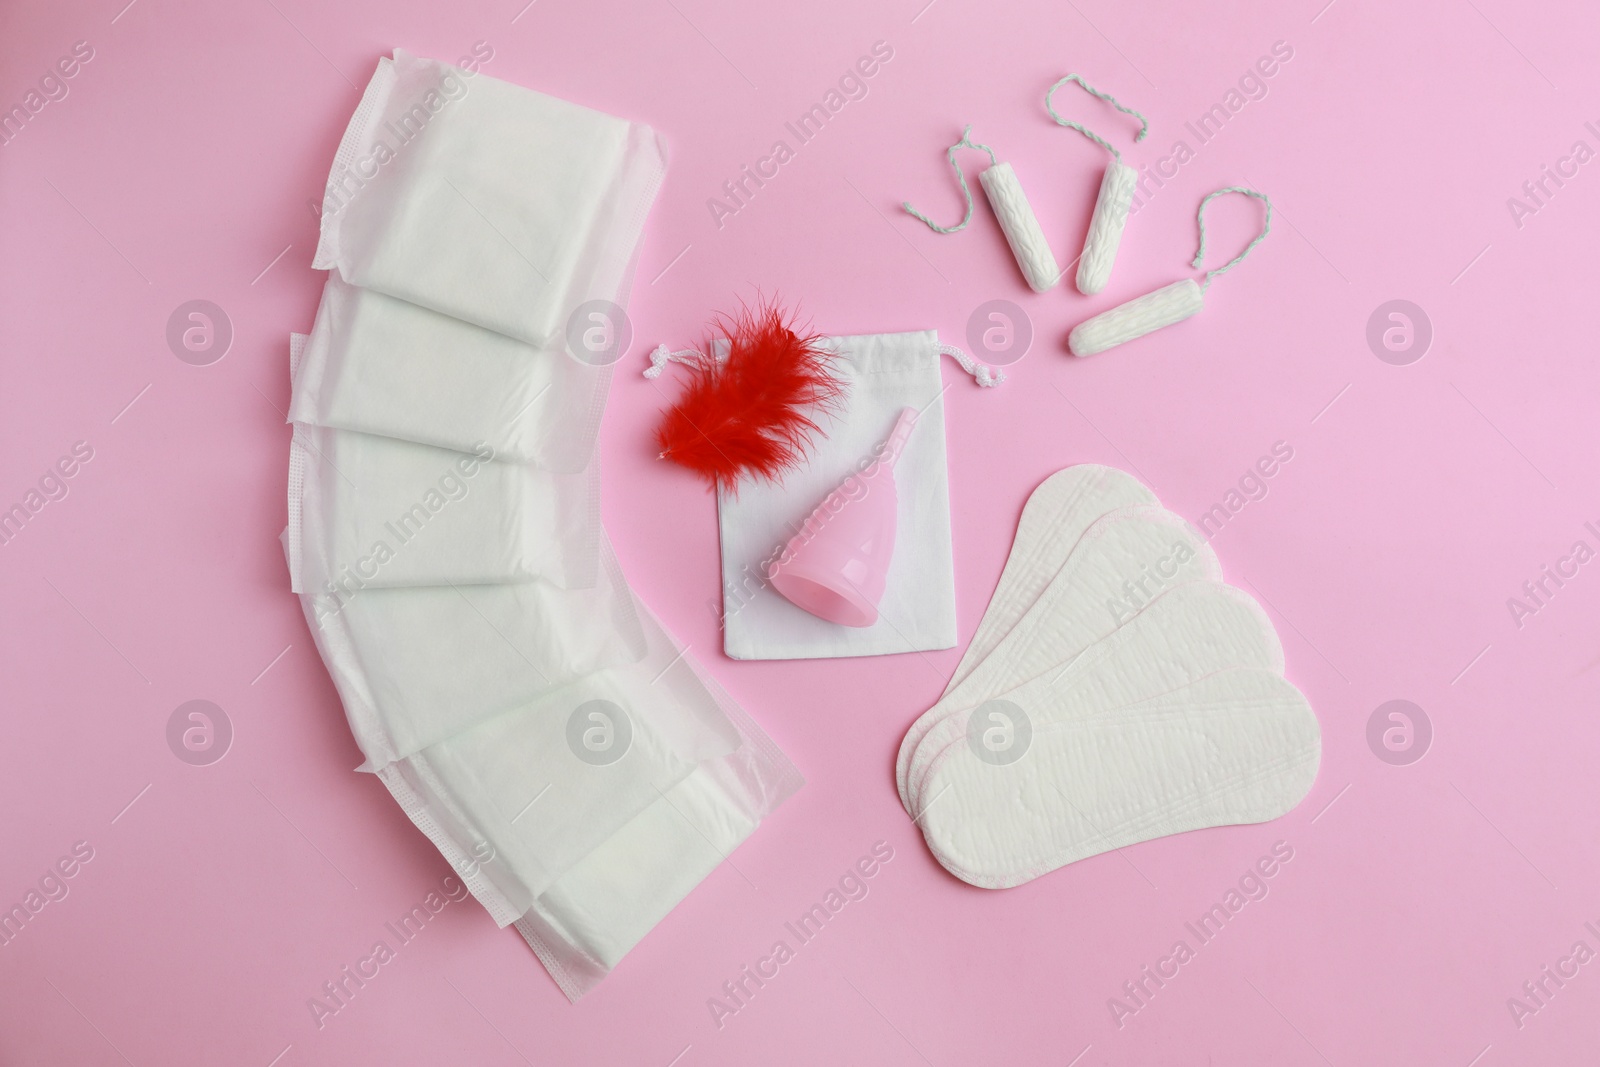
(1418, 500)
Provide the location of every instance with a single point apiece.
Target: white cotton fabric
(881, 373)
(486, 201)
(415, 666)
(375, 512)
(382, 366)
(1145, 696)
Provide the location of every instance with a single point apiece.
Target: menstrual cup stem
(897, 437)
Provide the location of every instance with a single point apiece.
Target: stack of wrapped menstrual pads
(527, 712)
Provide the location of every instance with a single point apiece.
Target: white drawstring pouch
(375, 512)
(881, 374)
(383, 366)
(520, 801)
(416, 666)
(486, 201)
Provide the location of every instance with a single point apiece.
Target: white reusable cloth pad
(373, 512)
(881, 374)
(1116, 691)
(416, 666)
(382, 366)
(486, 201)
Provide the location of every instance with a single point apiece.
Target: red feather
(750, 414)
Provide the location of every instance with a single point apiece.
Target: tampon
(1105, 228)
(1116, 193)
(1021, 226)
(1167, 305)
(1017, 220)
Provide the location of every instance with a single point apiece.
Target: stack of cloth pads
(1116, 691)
(528, 713)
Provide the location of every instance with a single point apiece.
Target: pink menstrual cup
(835, 567)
